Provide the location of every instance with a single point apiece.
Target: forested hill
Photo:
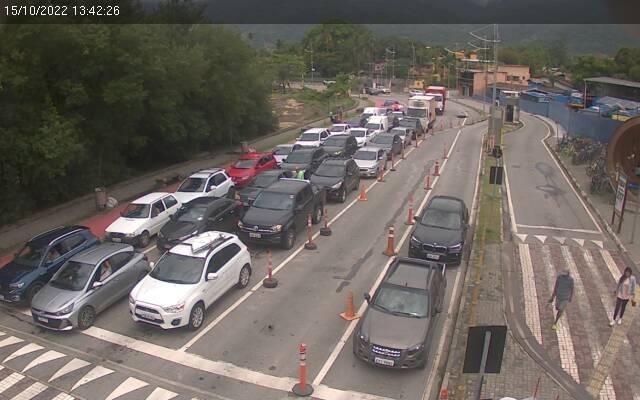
(580, 39)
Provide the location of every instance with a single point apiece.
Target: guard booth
(510, 100)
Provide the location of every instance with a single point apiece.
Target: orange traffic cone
(363, 194)
(410, 213)
(436, 169)
(427, 182)
(444, 152)
(393, 167)
(381, 173)
(402, 157)
(349, 314)
(269, 282)
(310, 245)
(390, 251)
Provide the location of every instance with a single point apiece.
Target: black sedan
(392, 143)
(199, 215)
(307, 160)
(340, 145)
(440, 232)
(248, 194)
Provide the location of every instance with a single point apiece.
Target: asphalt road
(247, 348)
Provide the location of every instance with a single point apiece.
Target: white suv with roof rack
(212, 182)
(188, 279)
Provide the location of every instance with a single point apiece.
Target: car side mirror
(152, 264)
(212, 276)
(97, 284)
(417, 218)
(367, 297)
(212, 187)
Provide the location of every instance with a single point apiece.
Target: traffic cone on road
(269, 282)
(436, 169)
(363, 194)
(402, 156)
(310, 245)
(393, 167)
(349, 313)
(381, 172)
(444, 152)
(427, 182)
(410, 213)
(325, 230)
(390, 251)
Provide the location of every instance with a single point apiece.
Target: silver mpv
(88, 283)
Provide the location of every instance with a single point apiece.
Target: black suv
(340, 145)
(280, 211)
(441, 230)
(39, 259)
(199, 215)
(338, 176)
(307, 159)
(398, 326)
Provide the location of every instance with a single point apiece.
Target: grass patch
(489, 215)
(508, 127)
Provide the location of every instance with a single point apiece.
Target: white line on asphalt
(352, 325)
(512, 212)
(531, 308)
(553, 228)
(148, 249)
(544, 143)
(258, 285)
(611, 265)
(477, 184)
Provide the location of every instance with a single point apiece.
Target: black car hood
(334, 150)
(394, 331)
(444, 237)
(261, 216)
(177, 229)
(325, 181)
(13, 272)
(290, 167)
(249, 193)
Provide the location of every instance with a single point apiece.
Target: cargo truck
(423, 108)
(440, 94)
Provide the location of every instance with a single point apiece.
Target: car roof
(150, 198)
(339, 124)
(336, 161)
(446, 203)
(409, 275)
(251, 156)
(314, 130)
(206, 241)
(93, 255)
(356, 128)
(374, 118)
(339, 136)
(51, 235)
(369, 148)
(206, 201)
(290, 186)
(306, 149)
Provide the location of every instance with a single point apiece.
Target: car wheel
(143, 239)
(33, 289)
(231, 193)
(196, 316)
(288, 239)
(244, 277)
(317, 215)
(86, 317)
(343, 194)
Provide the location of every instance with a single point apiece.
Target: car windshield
(309, 137)
(402, 300)
(338, 128)
(299, 157)
(30, 256)
(274, 201)
(382, 139)
(358, 132)
(134, 210)
(444, 219)
(191, 213)
(262, 181)
(177, 268)
(373, 126)
(245, 164)
(282, 150)
(364, 155)
(417, 112)
(337, 142)
(329, 170)
(400, 132)
(408, 123)
(73, 276)
(192, 185)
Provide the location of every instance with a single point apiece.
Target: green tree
(285, 67)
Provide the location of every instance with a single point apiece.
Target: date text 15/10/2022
(61, 10)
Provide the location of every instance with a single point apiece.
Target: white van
(378, 124)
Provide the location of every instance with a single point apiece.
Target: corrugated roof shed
(614, 81)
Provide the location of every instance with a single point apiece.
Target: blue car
(39, 259)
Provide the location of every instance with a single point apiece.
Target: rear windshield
(245, 164)
(299, 157)
(274, 201)
(338, 128)
(382, 139)
(358, 132)
(309, 137)
(339, 142)
(373, 126)
(365, 155)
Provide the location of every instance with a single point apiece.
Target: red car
(248, 166)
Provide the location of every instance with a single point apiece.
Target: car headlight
(130, 235)
(415, 241)
(276, 228)
(456, 248)
(131, 300)
(363, 338)
(415, 349)
(174, 309)
(240, 224)
(66, 310)
(16, 285)
(337, 185)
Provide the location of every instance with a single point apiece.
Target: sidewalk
(83, 210)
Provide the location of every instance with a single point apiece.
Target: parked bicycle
(600, 183)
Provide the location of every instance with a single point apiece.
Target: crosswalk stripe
(97, 372)
(29, 348)
(522, 236)
(43, 358)
(10, 380)
(63, 396)
(129, 385)
(541, 238)
(531, 311)
(579, 241)
(598, 243)
(9, 341)
(31, 392)
(611, 264)
(71, 366)
(161, 394)
(560, 239)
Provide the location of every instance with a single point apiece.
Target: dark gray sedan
(87, 284)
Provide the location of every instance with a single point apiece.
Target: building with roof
(476, 81)
(612, 87)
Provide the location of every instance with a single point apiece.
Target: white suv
(313, 137)
(189, 278)
(206, 183)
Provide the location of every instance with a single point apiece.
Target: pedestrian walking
(562, 293)
(625, 291)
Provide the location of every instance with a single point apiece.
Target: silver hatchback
(87, 284)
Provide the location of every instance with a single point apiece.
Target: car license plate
(255, 235)
(383, 361)
(433, 256)
(117, 240)
(43, 319)
(146, 315)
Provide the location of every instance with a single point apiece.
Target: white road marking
(97, 372)
(9, 341)
(161, 394)
(9, 381)
(544, 143)
(522, 236)
(579, 241)
(531, 309)
(598, 243)
(611, 265)
(63, 396)
(29, 348)
(43, 358)
(71, 366)
(2, 333)
(477, 184)
(512, 212)
(560, 239)
(555, 228)
(32, 391)
(541, 238)
(148, 249)
(129, 385)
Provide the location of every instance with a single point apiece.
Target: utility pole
(313, 68)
